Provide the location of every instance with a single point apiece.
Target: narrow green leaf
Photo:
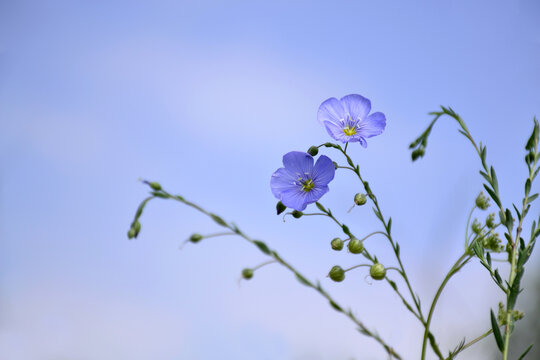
(532, 198)
(525, 352)
(497, 276)
(218, 220)
(389, 226)
(336, 306)
(302, 280)
(262, 246)
(494, 181)
(346, 230)
(527, 186)
(509, 219)
(496, 332)
(320, 206)
(488, 258)
(517, 212)
(493, 195)
(485, 176)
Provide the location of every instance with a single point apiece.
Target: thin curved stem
(276, 258)
(455, 268)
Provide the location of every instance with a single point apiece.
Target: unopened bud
(131, 233)
(280, 207)
(337, 244)
(335, 165)
(313, 151)
(337, 274)
(297, 214)
(195, 238)
(136, 227)
(377, 271)
(476, 227)
(417, 153)
(482, 202)
(247, 273)
(355, 246)
(490, 221)
(360, 199)
(155, 186)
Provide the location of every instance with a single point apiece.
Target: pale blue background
(206, 97)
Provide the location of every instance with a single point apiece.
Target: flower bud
(355, 246)
(482, 202)
(297, 214)
(136, 227)
(280, 207)
(360, 199)
(337, 244)
(337, 274)
(313, 151)
(476, 227)
(247, 273)
(335, 165)
(490, 221)
(377, 271)
(131, 233)
(195, 238)
(155, 186)
(417, 153)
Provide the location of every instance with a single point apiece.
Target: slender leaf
(496, 332)
(525, 352)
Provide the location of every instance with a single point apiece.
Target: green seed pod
(337, 274)
(195, 238)
(155, 185)
(337, 244)
(482, 202)
(313, 151)
(131, 233)
(335, 165)
(280, 207)
(247, 273)
(355, 246)
(377, 271)
(360, 199)
(297, 214)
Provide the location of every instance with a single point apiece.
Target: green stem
(273, 254)
(455, 268)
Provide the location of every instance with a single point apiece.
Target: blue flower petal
(323, 171)
(282, 180)
(294, 199)
(298, 163)
(362, 141)
(335, 131)
(315, 194)
(358, 107)
(373, 125)
(331, 110)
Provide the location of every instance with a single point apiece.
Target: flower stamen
(349, 130)
(308, 185)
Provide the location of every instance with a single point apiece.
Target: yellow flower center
(349, 131)
(308, 185)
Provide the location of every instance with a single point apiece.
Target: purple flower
(347, 119)
(299, 183)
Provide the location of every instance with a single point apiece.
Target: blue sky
(206, 97)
